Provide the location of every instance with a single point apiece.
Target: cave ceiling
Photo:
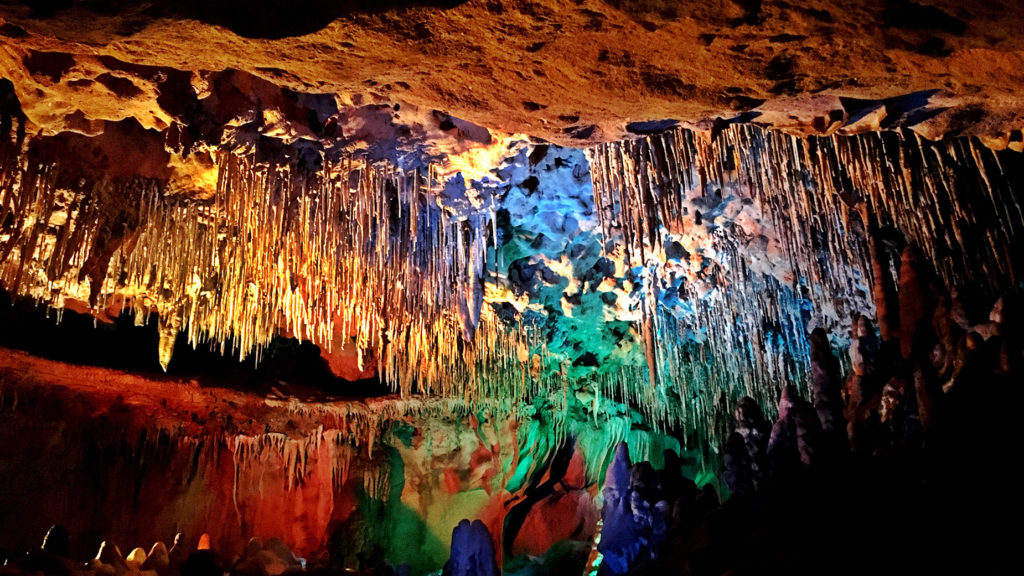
(570, 72)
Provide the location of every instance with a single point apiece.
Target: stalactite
(743, 331)
(819, 190)
(296, 241)
(61, 230)
(291, 243)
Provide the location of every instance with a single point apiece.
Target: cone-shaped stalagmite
(158, 559)
(826, 390)
(58, 541)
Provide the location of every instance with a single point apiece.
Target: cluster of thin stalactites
(368, 255)
(827, 199)
(351, 254)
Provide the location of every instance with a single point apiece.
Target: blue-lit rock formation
(472, 551)
(641, 506)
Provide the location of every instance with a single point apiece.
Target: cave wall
(133, 460)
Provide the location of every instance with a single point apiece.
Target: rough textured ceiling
(569, 71)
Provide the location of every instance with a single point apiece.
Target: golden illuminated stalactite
(168, 328)
(59, 230)
(277, 248)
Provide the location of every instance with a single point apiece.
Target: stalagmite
(57, 541)
(795, 438)
(916, 301)
(745, 461)
(109, 557)
(825, 385)
(472, 551)
(158, 559)
(641, 507)
(136, 558)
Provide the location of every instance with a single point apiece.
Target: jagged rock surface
(568, 71)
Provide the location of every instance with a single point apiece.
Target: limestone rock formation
(472, 551)
(540, 68)
(641, 507)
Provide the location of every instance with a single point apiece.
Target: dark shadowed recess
(250, 18)
(542, 485)
(293, 367)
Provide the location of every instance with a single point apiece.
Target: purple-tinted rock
(641, 507)
(472, 551)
